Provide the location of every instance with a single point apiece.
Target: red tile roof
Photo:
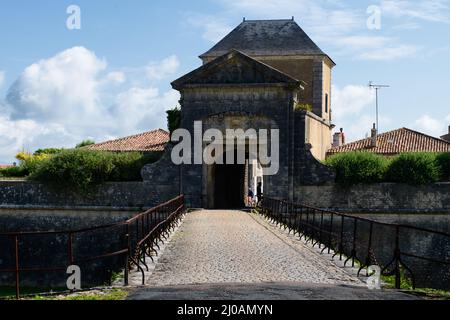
(152, 141)
(395, 142)
(5, 166)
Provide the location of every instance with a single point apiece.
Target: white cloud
(360, 127)
(214, 28)
(116, 77)
(351, 107)
(2, 78)
(351, 100)
(332, 24)
(432, 126)
(163, 69)
(390, 53)
(64, 86)
(427, 10)
(142, 107)
(59, 101)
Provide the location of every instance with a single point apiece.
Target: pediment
(234, 68)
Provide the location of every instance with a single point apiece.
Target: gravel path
(239, 247)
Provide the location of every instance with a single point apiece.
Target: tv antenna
(377, 88)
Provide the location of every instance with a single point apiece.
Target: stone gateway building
(266, 74)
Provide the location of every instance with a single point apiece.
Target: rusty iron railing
(368, 242)
(135, 239)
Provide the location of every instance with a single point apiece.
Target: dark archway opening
(229, 186)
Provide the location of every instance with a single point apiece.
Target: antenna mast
(377, 87)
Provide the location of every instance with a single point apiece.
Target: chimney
(373, 136)
(339, 138)
(447, 136)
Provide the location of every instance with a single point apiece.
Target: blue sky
(112, 77)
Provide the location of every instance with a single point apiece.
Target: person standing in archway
(250, 197)
(259, 192)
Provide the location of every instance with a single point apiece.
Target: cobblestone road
(239, 247)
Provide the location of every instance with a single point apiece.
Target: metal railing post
(397, 258)
(127, 256)
(17, 269)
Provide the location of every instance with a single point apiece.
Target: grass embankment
(406, 285)
(9, 293)
(95, 295)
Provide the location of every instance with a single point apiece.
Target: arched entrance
(229, 186)
(225, 186)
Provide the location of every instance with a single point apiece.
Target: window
(326, 102)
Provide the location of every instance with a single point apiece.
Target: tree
(173, 119)
(48, 151)
(85, 143)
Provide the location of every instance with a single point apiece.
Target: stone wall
(51, 251)
(383, 197)
(29, 207)
(113, 195)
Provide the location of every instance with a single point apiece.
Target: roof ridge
(208, 67)
(427, 135)
(269, 37)
(406, 139)
(256, 20)
(130, 137)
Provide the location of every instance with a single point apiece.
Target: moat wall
(112, 195)
(381, 197)
(29, 207)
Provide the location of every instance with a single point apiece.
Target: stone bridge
(238, 255)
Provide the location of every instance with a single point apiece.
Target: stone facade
(237, 92)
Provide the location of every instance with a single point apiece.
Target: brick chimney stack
(339, 138)
(447, 136)
(373, 136)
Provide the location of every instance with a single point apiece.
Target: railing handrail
(282, 212)
(404, 226)
(106, 226)
(136, 252)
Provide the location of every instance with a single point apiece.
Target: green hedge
(80, 170)
(173, 119)
(13, 172)
(411, 168)
(414, 168)
(358, 167)
(443, 161)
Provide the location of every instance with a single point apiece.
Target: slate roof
(266, 37)
(152, 141)
(395, 142)
(208, 71)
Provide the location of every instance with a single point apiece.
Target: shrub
(173, 119)
(28, 163)
(414, 168)
(127, 166)
(80, 170)
(85, 143)
(47, 151)
(303, 106)
(13, 172)
(443, 160)
(358, 167)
